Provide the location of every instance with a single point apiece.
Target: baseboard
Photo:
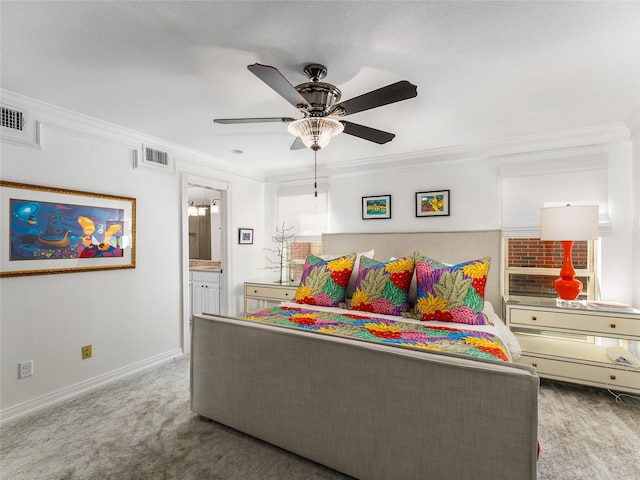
(32, 406)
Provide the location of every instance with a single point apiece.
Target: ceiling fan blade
(367, 133)
(297, 144)
(253, 120)
(395, 92)
(272, 77)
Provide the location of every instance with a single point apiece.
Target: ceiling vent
(13, 119)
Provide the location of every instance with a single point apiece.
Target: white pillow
(504, 332)
(356, 266)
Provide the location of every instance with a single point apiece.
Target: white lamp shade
(571, 222)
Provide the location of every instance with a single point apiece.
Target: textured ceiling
(485, 70)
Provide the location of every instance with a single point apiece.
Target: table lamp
(568, 224)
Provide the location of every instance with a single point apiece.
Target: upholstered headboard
(447, 247)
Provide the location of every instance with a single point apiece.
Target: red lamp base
(567, 286)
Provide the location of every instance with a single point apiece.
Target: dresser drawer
(599, 376)
(589, 324)
(271, 293)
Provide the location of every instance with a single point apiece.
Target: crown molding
(68, 122)
(529, 144)
(633, 122)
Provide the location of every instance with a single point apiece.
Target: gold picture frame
(48, 230)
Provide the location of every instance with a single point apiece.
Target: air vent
(153, 158)
(157, 157)
(13, 119)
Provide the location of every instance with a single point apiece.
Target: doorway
(205, 230)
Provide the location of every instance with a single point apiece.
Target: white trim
(633, 122)
(539, 143)
(68, 393)
(83, 126)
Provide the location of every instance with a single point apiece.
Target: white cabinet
(205, 292)
(569, 344)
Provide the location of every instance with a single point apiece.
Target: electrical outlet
(86, 352)
(25, 369)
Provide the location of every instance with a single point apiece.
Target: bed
(384, 409)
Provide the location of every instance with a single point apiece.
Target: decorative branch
(282, 238)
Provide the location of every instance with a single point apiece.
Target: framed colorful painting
(49, 230)
(433, 204)
(376, 207)
(245, 236)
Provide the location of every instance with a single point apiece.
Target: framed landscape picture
(433, 204)
(53, 230)
(376, 207)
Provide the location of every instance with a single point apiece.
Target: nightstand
(268, 293)
(564, 343)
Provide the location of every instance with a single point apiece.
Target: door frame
(225, 251)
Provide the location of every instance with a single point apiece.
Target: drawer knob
(286, 294)
(612, 377)
(535, 364)
(255, 291)
(613, 325)
(534, 318)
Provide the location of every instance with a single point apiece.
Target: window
(299, 252)
(533, 265)
(298, 207)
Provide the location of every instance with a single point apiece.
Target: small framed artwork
(245, 236)
(54, 230)
(376, 207)
(433, 204)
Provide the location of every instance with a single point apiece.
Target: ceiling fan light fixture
(315, 132)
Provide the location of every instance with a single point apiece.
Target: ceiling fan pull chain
(315, 172)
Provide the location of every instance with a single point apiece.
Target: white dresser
(570, 344)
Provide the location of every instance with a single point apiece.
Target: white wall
(617, 269)
(635, 219)
(473, 180)
(473, 189)
(133, 318)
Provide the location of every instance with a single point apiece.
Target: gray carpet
(142, 428)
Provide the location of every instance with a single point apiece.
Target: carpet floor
(142, 428)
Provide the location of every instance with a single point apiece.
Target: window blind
(526, 187)
(300, 208)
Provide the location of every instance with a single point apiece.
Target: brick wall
(299, 252)
(533, 252)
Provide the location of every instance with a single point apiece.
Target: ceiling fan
(316, 100)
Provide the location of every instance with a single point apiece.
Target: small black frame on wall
(435, 203)
(245, 236)
(376, 207)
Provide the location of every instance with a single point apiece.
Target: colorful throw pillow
(354, 275)
(324, 282)
(451, 293)
(383, 287)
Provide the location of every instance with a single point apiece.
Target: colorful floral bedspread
(381, 330)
